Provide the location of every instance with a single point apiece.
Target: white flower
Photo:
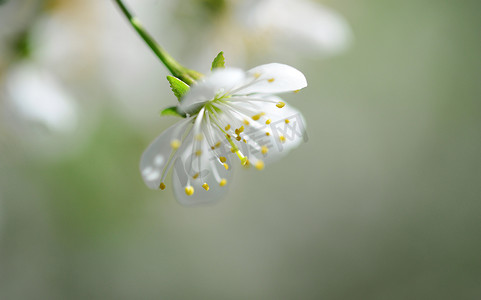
(232, 118)
(289, 29)
(307, 25)
(35, 97)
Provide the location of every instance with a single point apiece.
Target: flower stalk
(176, 69)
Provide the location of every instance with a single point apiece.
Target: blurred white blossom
(35, 98)
(310, 27)
(289, 29)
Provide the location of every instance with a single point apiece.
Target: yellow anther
(287, 121)
(297, 91)
(241, 129)
(257, 75)
(227, 127)
(262, 114)
(245, 122)
(271, 80)
(259, 165)
(217, 145)
(244, 140)
(222, 159)
(196, 175)
(189, 190)
(238, 138)
(199, 137)
(264, 149)
(256, 117)
(212, 147)
(162, 186)
(267, 133)
(268, 121)
(234, 149)
(205, 186)
(198, 152)
(175, 144)
(227, 136)
(226, 166)
(280, 104)
(223, 182)
(282, 139)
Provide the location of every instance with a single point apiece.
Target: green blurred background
(382, 202)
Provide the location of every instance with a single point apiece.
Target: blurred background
(382, 201)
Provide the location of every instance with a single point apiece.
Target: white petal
(220, 81)
(155, 157)
(184, 169)
(274, 78)
(294, 132)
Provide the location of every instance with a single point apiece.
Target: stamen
(189, 190)
(297, 91)
(223, 182)
(280, 104)
(217, 145)
(227, 127)
(271, 80)
(282, 139)
(267, 133)
(268, 121)
(175, 144)
(257, 75)
(287, 121)
(198, 153)
(162, 186)
(205, 186)
(256, 117)
(259, 165)
(238, 138)
(222, 159)
(212, 148)
(264, 149)
(226, 166)
(246, 122)
(196, 175)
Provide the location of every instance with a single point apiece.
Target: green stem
(177, 70)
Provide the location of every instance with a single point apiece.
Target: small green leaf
(219, 61)
(171, 111)
(179, 87)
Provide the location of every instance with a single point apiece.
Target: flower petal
(282, 136)
(220, 81)
(188, 172)
(156, 155)
(274, 78)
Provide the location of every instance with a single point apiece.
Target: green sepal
(219, 61)
(179, 87)
(171, 111)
